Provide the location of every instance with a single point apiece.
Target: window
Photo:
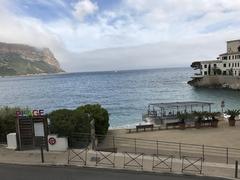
(224, 58)
(224, 65)
(205, 72)
(205, 66)
(229, 57)
(235, 64)
(232, 64)
(238, 64)
(214, 65)
(224, 73)
(229, 65)
(239, 49)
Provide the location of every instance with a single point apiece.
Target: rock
(217, 81)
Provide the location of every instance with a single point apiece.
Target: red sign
(52, 141)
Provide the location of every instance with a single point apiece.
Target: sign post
(31, 129)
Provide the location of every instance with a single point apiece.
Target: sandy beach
(224, 135)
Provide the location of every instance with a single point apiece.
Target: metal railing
(150, 147)
(3, 139)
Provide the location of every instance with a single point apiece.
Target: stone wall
(232, 46)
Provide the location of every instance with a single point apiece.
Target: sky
(101, 35)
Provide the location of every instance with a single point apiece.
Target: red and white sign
(52, 141)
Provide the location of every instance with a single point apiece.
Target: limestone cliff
(19, 59)
(217, 81)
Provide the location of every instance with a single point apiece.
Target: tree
(65, 122)
(61, 122)
(81, 122)
(8, 120)
(233, 113)
(100, 116)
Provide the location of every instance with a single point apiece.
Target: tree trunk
(231, 122)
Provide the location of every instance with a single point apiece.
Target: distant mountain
(19, 59)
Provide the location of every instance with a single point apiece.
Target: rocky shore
(218, 81)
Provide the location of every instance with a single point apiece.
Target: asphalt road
(20, 172)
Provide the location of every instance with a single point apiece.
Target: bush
(65, 122)
(8, 120)
(99, 114)
(61, 123)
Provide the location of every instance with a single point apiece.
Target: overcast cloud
(89, 35)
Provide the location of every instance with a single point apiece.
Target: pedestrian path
(138, 162)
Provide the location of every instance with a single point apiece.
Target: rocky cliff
(217, 81)
(18, 59)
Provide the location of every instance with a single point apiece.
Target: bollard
(42, 156)
(236, 169)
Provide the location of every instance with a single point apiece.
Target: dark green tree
(66, 122)
(61, 122)
(8, 120)
(100, 116)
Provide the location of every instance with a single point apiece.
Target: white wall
(12, 141)
(60, 145)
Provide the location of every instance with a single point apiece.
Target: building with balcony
(227, 65)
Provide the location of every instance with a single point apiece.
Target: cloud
(83, 8)
(134, 34)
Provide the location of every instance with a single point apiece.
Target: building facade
(227, 64)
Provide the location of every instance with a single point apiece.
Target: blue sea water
(125, 94)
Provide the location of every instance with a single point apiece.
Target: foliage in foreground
(232, 113)
(197, 116)
(8, 120)
(64, 122)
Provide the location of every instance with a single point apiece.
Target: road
(20, 172)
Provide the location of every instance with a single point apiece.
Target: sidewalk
(142, 163)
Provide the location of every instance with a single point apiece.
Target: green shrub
(8, 119)
(65, 122)
(61, 123)
(99, 114)
(232, 113)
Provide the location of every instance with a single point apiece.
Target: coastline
(34, 75)
(217, 81)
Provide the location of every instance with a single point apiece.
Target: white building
(227, 64)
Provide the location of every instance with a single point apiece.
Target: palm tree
(199, 117)
(213, 117)
(182, 117)
(232, 113)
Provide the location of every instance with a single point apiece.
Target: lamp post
(222, 105)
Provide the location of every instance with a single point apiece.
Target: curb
(119, 170)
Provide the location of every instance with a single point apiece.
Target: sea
(125, 94)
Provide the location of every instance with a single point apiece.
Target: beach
(223, 135)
